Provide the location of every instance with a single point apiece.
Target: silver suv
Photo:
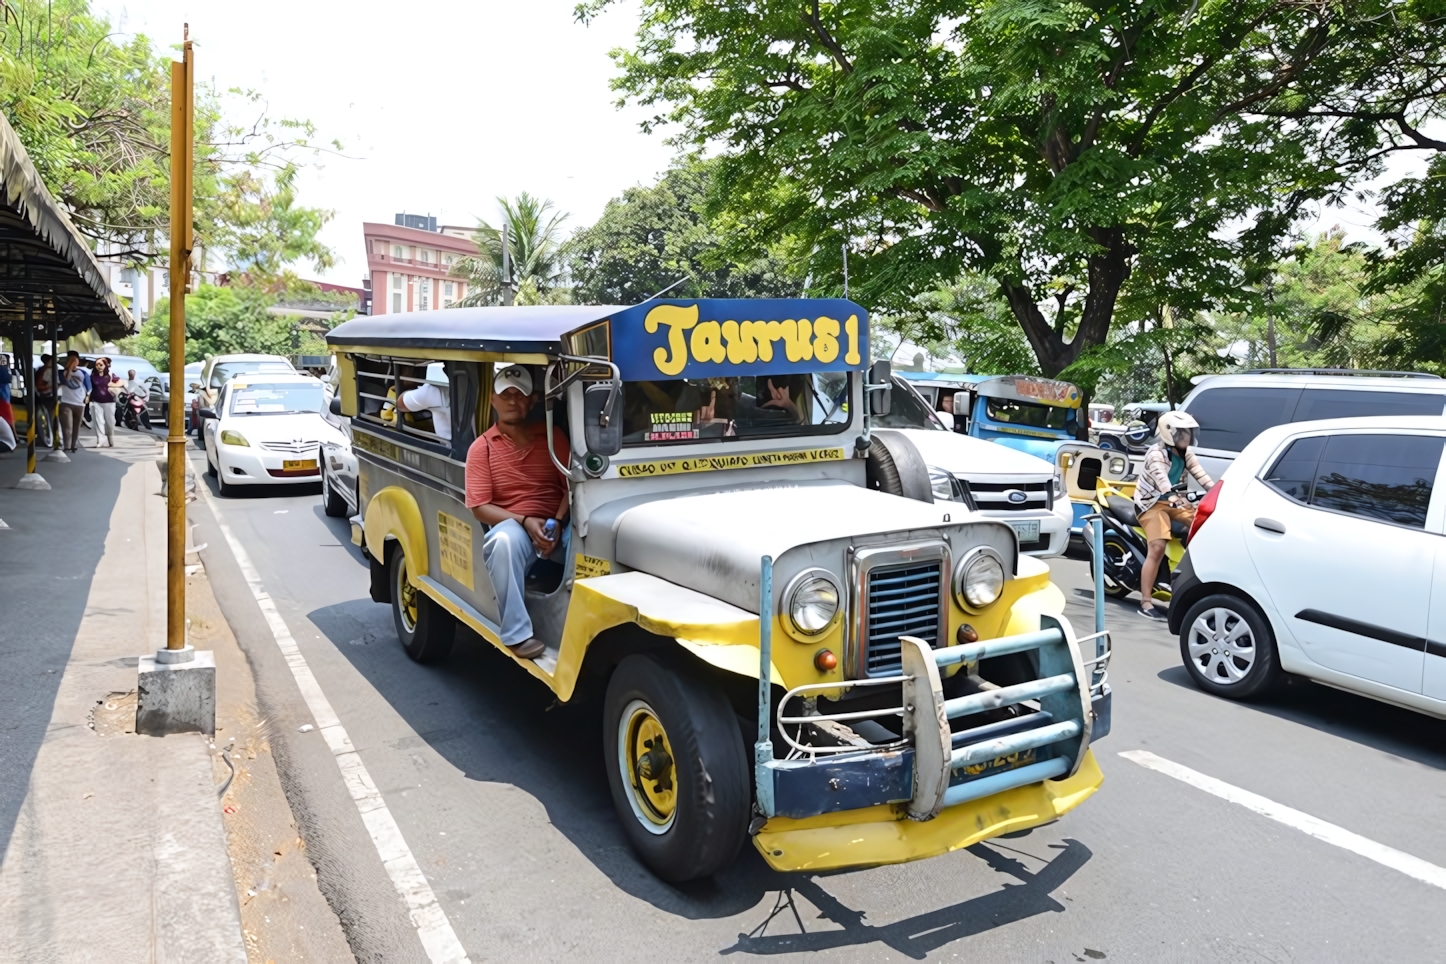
(1233, 409)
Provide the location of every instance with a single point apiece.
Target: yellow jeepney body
(687, 544)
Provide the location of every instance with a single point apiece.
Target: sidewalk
(113, 843)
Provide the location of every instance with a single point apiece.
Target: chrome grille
(995, 495)
(292, 448)
(902, 600)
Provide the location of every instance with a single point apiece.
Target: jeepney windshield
(1014, 412)
(709, 409)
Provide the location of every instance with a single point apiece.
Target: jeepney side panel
(421, 512)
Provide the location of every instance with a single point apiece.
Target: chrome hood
(713, 541)
(973, 458)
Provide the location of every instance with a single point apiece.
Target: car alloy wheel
(1222, 645)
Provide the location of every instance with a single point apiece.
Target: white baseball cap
(512, 376)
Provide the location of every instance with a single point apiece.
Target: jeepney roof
(512, 329)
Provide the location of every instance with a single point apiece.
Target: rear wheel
(1228, 647)
(425, 628)
(677, 768)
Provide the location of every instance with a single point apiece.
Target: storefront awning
(44, 260)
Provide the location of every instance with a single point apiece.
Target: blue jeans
(508, 553)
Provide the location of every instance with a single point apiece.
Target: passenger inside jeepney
(684, 410)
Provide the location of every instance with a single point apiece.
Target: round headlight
(812, 602)
(979, 579)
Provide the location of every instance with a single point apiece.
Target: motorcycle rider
(1156, 504)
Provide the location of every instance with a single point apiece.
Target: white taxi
(266, 429)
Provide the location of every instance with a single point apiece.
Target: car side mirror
(206, 413)
(880, 387)
(335, 405)
(602, 424)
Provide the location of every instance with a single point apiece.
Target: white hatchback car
(1321, 553)
(266, 429)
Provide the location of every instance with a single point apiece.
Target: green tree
(1051, 147)
(651, 237)
(94, 116)
(534, 250)
(221, 320)
(1413, 269)
(262, 228)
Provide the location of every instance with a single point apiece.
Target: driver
(1156, 504)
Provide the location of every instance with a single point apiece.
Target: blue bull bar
(934, 765)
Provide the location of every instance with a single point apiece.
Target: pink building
(410, 266)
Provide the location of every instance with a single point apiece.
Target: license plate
(1027, 530)
(289, 465)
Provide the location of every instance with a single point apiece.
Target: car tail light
(1203, 510)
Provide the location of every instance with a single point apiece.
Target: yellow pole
(182, 136)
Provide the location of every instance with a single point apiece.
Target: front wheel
(677, 768)
(1118, 559)
(1228, 647)
(425, 628)
(333, 503)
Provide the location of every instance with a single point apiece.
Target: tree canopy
(1117, 155)
(654, 236)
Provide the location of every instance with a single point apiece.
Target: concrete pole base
(176, 692)
(57, 455)
(32, 481)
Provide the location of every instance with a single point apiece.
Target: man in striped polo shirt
(514, 488)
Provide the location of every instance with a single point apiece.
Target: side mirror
(880, 387)
(602, 426)
(335, 405)
(206, 413)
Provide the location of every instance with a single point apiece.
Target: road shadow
(1360, 719)
(916, 936)
(48, 557)
(496, 724)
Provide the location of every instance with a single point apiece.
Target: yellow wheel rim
(646, 759)
(407, 593)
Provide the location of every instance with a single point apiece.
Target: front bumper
(249, 465)
(941, 787)
(1054, 526)
(885, 835)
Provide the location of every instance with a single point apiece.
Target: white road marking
(435, 931)
(1386, 856)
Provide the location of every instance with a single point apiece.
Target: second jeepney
(792, 642)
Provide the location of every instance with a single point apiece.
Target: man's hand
(779, 398)
(534, 525)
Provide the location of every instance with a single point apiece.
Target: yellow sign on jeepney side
(715, 463)
(454, 547)
(588, 566)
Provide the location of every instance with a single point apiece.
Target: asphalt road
(501, 796)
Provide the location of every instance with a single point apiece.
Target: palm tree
(534, 248)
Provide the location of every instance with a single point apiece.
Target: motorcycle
(132, 411)
(1125, 545)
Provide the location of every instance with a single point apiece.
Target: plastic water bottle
(549, 529)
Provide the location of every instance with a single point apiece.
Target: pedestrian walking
(103, 388)
(45, 402)
(6, 413)
(74, 388)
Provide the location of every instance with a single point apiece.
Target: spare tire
(896, 467)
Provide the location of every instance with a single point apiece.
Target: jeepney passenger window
(706, 409)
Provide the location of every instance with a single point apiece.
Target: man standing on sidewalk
(74, 394)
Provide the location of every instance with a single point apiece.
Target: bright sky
(441, 106)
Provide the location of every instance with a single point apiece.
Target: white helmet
(1177, 428)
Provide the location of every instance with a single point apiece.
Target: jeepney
(793, 643)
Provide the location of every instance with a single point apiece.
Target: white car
(999, 482)
(1320, 553)
(218, 368)
(266, 429)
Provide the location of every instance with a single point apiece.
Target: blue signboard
(730, 337)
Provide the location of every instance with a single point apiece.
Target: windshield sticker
(454, 548)
(671, 427)
(586, 567)
(715, 463)
(728, 338)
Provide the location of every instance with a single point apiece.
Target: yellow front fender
(393, 514)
